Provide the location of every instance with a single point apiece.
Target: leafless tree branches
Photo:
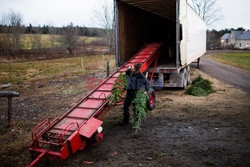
(36, 40)
(12, 33)
(104, 17)
(208, 10)
(70, 38)
(52, 36)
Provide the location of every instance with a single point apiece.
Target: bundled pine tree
(119, 87)
(140, 109)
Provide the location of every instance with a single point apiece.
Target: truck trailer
(171, 22)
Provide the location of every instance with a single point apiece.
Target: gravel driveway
(231, 75)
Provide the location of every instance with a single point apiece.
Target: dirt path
(226, 73)
(181, 131)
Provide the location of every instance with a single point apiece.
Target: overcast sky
(61, 12)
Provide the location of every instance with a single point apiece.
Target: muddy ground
(181, 131)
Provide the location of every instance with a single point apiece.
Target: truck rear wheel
(151, 99)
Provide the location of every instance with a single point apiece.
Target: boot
(125, 120)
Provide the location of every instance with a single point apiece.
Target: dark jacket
(136, 81)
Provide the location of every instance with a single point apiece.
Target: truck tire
(151, 99)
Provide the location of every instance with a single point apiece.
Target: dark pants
(128, 101)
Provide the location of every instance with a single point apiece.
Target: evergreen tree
(45, 29)
(29, 29)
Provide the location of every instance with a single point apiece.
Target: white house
(224, 40)
(236, 39)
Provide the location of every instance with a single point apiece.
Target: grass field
(241, 60)
(44, 79)
(28, 39)
(19, 73)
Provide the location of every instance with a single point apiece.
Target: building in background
(224, 40)
(236, 40)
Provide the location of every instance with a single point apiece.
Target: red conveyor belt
(70, 132)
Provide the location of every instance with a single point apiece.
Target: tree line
(12, 27)
(46, 29)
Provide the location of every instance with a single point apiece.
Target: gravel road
(231, 75)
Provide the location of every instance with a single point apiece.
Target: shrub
(98, 42)
(200, 87)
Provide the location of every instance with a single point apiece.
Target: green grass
(19, 73)
(15, 140)
(87, 39)
(241, 60)
(27, 40)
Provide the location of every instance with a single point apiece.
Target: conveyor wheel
(151, 99)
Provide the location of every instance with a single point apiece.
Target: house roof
(225, 36)
(245, 35)
(241, 35)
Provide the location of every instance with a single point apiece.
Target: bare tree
(104, 17)
(70, 38)
(208, 10)
(13, 22)
(5, 41)
(52, 36)
(36, 40)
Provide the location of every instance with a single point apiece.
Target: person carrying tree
(135, 81)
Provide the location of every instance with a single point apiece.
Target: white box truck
(171, 22)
